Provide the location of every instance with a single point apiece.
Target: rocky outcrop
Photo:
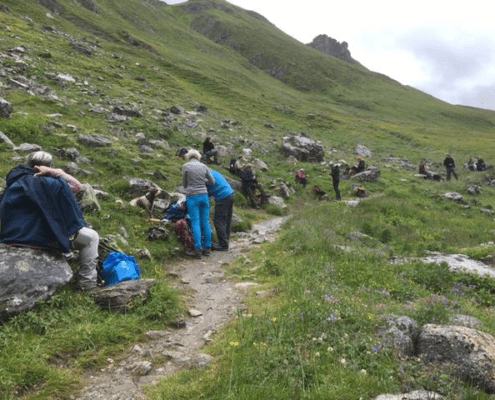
(472, 352)
(28, 276)
(332, 47)
(302, 148)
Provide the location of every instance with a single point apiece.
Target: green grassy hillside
(258, 85)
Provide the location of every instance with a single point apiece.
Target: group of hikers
(450, 168)
(302, 178)
(39, 208)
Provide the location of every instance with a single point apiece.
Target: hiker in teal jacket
(223, 194)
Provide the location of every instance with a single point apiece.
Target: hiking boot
(206, 252)
(217, 247)
(193, 253)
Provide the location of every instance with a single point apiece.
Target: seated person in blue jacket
(223, 194)
(39, 210)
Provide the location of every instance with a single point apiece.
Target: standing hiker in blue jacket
(223, 194)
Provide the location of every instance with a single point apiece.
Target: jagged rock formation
(332, 47)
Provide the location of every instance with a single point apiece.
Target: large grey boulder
(28, 276)
(5, 108)
(370, 175)
(302, 148)
(471, 351)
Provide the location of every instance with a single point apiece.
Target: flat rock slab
(456, 263)
(120, 297)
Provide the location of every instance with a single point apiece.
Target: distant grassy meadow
(315, 334)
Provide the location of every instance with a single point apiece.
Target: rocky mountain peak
(332, 47)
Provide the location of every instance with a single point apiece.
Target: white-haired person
(195, 176)
(39, 210)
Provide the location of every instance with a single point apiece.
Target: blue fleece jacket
(221, 189)
(39, 211)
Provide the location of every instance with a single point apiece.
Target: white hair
(193, 154)
(39, 158)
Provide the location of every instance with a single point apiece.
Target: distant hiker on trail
(38, 209)
(250, 184)
(194, 177)
(360, 167)
(209, 151)
(450, 167)
(224, 209)
(301, 177)
(335, 173)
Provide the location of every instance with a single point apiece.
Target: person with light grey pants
(86, 241)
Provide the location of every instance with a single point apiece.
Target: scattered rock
(95, 140)
(63, 79)
(27, 148)
(475, 189)
(5, 108)
(453, 196)
(362, 151)
(195, 313)
(416, 395)
(121, 296)
(277, 201)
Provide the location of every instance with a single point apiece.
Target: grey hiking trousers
(86, 241)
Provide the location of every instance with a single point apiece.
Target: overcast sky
(443, 47)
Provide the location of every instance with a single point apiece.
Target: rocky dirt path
(214, 301)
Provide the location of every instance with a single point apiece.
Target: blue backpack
(119, 267)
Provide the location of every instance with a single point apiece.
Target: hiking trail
(213, 301)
